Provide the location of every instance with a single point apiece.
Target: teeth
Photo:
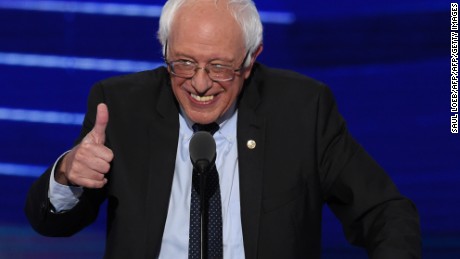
(202, 98)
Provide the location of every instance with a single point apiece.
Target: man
(282, 152)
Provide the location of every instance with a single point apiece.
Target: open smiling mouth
(206, 98)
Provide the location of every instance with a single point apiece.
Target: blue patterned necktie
(213, 200)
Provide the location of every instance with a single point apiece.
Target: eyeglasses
(216, 72)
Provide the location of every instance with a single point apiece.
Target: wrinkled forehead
(207, 21)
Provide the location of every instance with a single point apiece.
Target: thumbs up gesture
(87, 163)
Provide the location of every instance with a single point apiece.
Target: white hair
(244, 12)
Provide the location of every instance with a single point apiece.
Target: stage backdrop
(387, 62)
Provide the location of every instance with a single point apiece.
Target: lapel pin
(251, 144)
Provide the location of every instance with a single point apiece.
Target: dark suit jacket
(304, 158)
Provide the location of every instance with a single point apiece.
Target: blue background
(387, 62)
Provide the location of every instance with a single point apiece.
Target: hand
(87, 163)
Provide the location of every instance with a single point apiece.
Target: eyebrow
(180, 54)
(212, 59)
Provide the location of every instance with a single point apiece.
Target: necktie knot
(211, 127)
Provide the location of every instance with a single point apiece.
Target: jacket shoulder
(287, 78)
(140, 79)
(280, 87)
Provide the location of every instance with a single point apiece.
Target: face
(204, 34)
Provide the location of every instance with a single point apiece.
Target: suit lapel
(164, 132)
(250, 130)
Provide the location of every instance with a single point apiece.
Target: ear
(253, 59)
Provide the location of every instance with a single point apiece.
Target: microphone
(202, 151)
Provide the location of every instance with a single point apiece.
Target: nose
(201, 81)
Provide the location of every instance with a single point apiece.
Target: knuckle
(99, 177)
(96, 184)
(79, 156)
(106, 167)
(110, 155)
(85, 145)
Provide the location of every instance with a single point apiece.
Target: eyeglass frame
(171, 67)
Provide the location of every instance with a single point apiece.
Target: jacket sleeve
(372, 211)
(38, 208)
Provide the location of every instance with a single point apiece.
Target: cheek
(177, 85)
(232, 93)
(237, 86)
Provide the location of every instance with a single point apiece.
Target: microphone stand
(203, 154)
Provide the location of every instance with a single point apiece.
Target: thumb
(102, 118)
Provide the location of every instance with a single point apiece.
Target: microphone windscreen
(202, 148)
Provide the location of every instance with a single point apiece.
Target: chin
(203, 119)
(202, 116)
